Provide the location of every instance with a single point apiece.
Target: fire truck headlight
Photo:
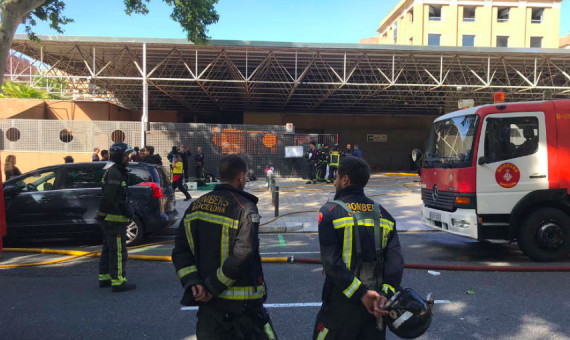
(460, 223)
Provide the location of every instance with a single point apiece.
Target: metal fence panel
(261, 145)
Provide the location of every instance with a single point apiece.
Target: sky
(320, 21)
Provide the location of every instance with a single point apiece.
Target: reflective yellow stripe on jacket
(243, 293)
(186, 271)
(347, 223)
(349, 291)
(226, 223)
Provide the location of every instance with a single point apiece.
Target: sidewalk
(398, 194)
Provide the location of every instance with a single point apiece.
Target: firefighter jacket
(323, 156)
(338, 253)
(217, 246)
(115, 205)
(334, 158)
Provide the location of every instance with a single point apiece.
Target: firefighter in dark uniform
(312, 159)
(323, 162)
(333, 164)
(115, 213)
(216, 256)
(363, 264)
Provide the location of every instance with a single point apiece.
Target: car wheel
(544, 235)
(135, 232)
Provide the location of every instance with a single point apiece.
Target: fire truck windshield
(451, 142)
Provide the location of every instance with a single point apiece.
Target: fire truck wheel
(544, 235)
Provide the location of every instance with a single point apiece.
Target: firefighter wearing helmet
(115, 213)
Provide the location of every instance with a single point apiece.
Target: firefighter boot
(124, 287)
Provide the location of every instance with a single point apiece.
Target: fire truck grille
(444, 200)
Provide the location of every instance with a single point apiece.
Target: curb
(287, 228)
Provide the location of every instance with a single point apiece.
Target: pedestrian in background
(348, 151)
(199, 159)
(68, 159)
(185, 153)
(136, 156)
(150, 157)
(312, 160)
(177, 176)
(10, 169)
(357, 153)
(174, 151)
(95, 156)
(105, 156)
(216, 256)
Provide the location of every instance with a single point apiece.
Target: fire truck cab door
(515, 160)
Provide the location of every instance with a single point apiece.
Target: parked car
(62, 201)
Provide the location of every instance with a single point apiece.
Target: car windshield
(451, 142)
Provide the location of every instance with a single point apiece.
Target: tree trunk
(12, 14)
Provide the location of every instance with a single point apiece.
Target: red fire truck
(502, 172)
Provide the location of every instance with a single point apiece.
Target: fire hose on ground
(75, 254)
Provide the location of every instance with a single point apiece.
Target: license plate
(435, 216)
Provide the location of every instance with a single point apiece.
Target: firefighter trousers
(343, 320)
(332, 172)
(216, 324)
(113, 261)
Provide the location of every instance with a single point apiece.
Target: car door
(33, 207)
(80, 194)
(514, 150)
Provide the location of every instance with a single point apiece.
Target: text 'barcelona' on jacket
(217, 246)
(340, 256)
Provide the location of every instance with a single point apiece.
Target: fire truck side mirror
(482, 160)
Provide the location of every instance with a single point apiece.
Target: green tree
(193, 15)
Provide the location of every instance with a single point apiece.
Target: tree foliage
(193, 15)
(15, 90)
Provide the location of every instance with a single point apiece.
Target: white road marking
(290, 252)
(296, 305)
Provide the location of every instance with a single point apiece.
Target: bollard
(276, 201)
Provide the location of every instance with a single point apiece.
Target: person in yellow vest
(334, 161)
(178, 176)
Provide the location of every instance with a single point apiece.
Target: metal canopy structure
(294, 77)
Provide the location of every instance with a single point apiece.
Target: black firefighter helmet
(409, 316)
(117, 152)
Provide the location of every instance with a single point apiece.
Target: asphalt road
(63, 301)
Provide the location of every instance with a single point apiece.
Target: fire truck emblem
(507, 175)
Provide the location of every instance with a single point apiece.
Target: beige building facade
(482, 23)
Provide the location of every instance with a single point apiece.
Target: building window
(412, 16)
(434, 12)
(434, 39)
(536, 42)
(468, 40)
(503, 14)
(502, 41)
(395, 32)
(411, 40)
(537, 15)
(469, 13)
